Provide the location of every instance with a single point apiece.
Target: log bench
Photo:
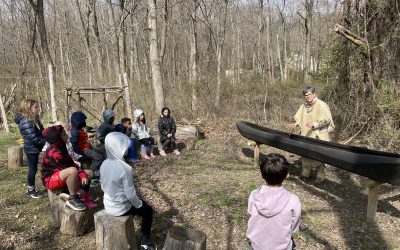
(185, 134)
(114, 232)
(69, 221)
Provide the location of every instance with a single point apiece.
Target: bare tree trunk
(69, 64)
(193, 53)
(163, 38)
(114, 39)
(220, 45)
(85, 28)
(3, 115)
(96, 33)
(38, 9)
(154, 56)
(260, 35)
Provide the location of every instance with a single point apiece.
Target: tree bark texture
(154, 56)
(114, 232)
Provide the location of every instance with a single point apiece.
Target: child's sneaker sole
(67, 203)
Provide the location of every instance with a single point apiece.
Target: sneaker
(149, 246)
(162, 153)
(75, 204)
(176, 151)
(64, 196)
(34, 193)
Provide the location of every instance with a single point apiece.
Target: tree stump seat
(15, 156)
(114, 232)
(183, 238)
(69, 221)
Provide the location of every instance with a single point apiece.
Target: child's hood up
(108, 114)
(270, 201)
(116, 145)
(53, 134)
(78, 119)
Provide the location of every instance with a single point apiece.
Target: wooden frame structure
(79, 91)
(373, 186)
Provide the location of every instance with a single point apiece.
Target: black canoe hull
(376, 165)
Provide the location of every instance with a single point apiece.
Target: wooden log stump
(183, 238)
(69, 221)
(114, 232)
(15, 156)
(188, 135)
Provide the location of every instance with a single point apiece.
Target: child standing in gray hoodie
(274, 212)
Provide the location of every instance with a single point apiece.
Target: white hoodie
(116, 177)
(274, 217)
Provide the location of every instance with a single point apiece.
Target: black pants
(146, 212)
(32, 165)
(97, 156)
(168, 142)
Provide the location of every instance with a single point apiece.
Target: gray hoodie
(116, 177)
(274, 216)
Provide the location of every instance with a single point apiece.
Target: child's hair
(274, 169)
(25, 109)
(125, 119)
(144, 119)
(165, 108)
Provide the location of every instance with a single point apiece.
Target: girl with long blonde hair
(31, 129)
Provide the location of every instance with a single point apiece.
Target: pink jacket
(274, 216)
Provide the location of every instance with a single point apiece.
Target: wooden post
(373, 195)
(257, 156)
(79, 100)
(66, 105)
(256, 148)
(15, 156)
(3, 115)
(114, 232)
(180, 237)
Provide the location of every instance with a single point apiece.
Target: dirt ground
(207, 189)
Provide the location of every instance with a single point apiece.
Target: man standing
(315, 120)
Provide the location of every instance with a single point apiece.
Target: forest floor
(207, 189)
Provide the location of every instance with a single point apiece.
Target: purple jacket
(274, 216)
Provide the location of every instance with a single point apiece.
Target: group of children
(274, 212)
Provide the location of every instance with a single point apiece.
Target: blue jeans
(132, 150)
(32, 165)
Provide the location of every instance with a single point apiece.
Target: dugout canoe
(380, 166)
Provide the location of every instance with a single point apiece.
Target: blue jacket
(120, 128)
(33, 138)
(78, 121)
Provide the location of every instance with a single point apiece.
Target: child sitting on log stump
(142, 132)
(167, 129)
(274, 212)
(59, 170)
(116, 178)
